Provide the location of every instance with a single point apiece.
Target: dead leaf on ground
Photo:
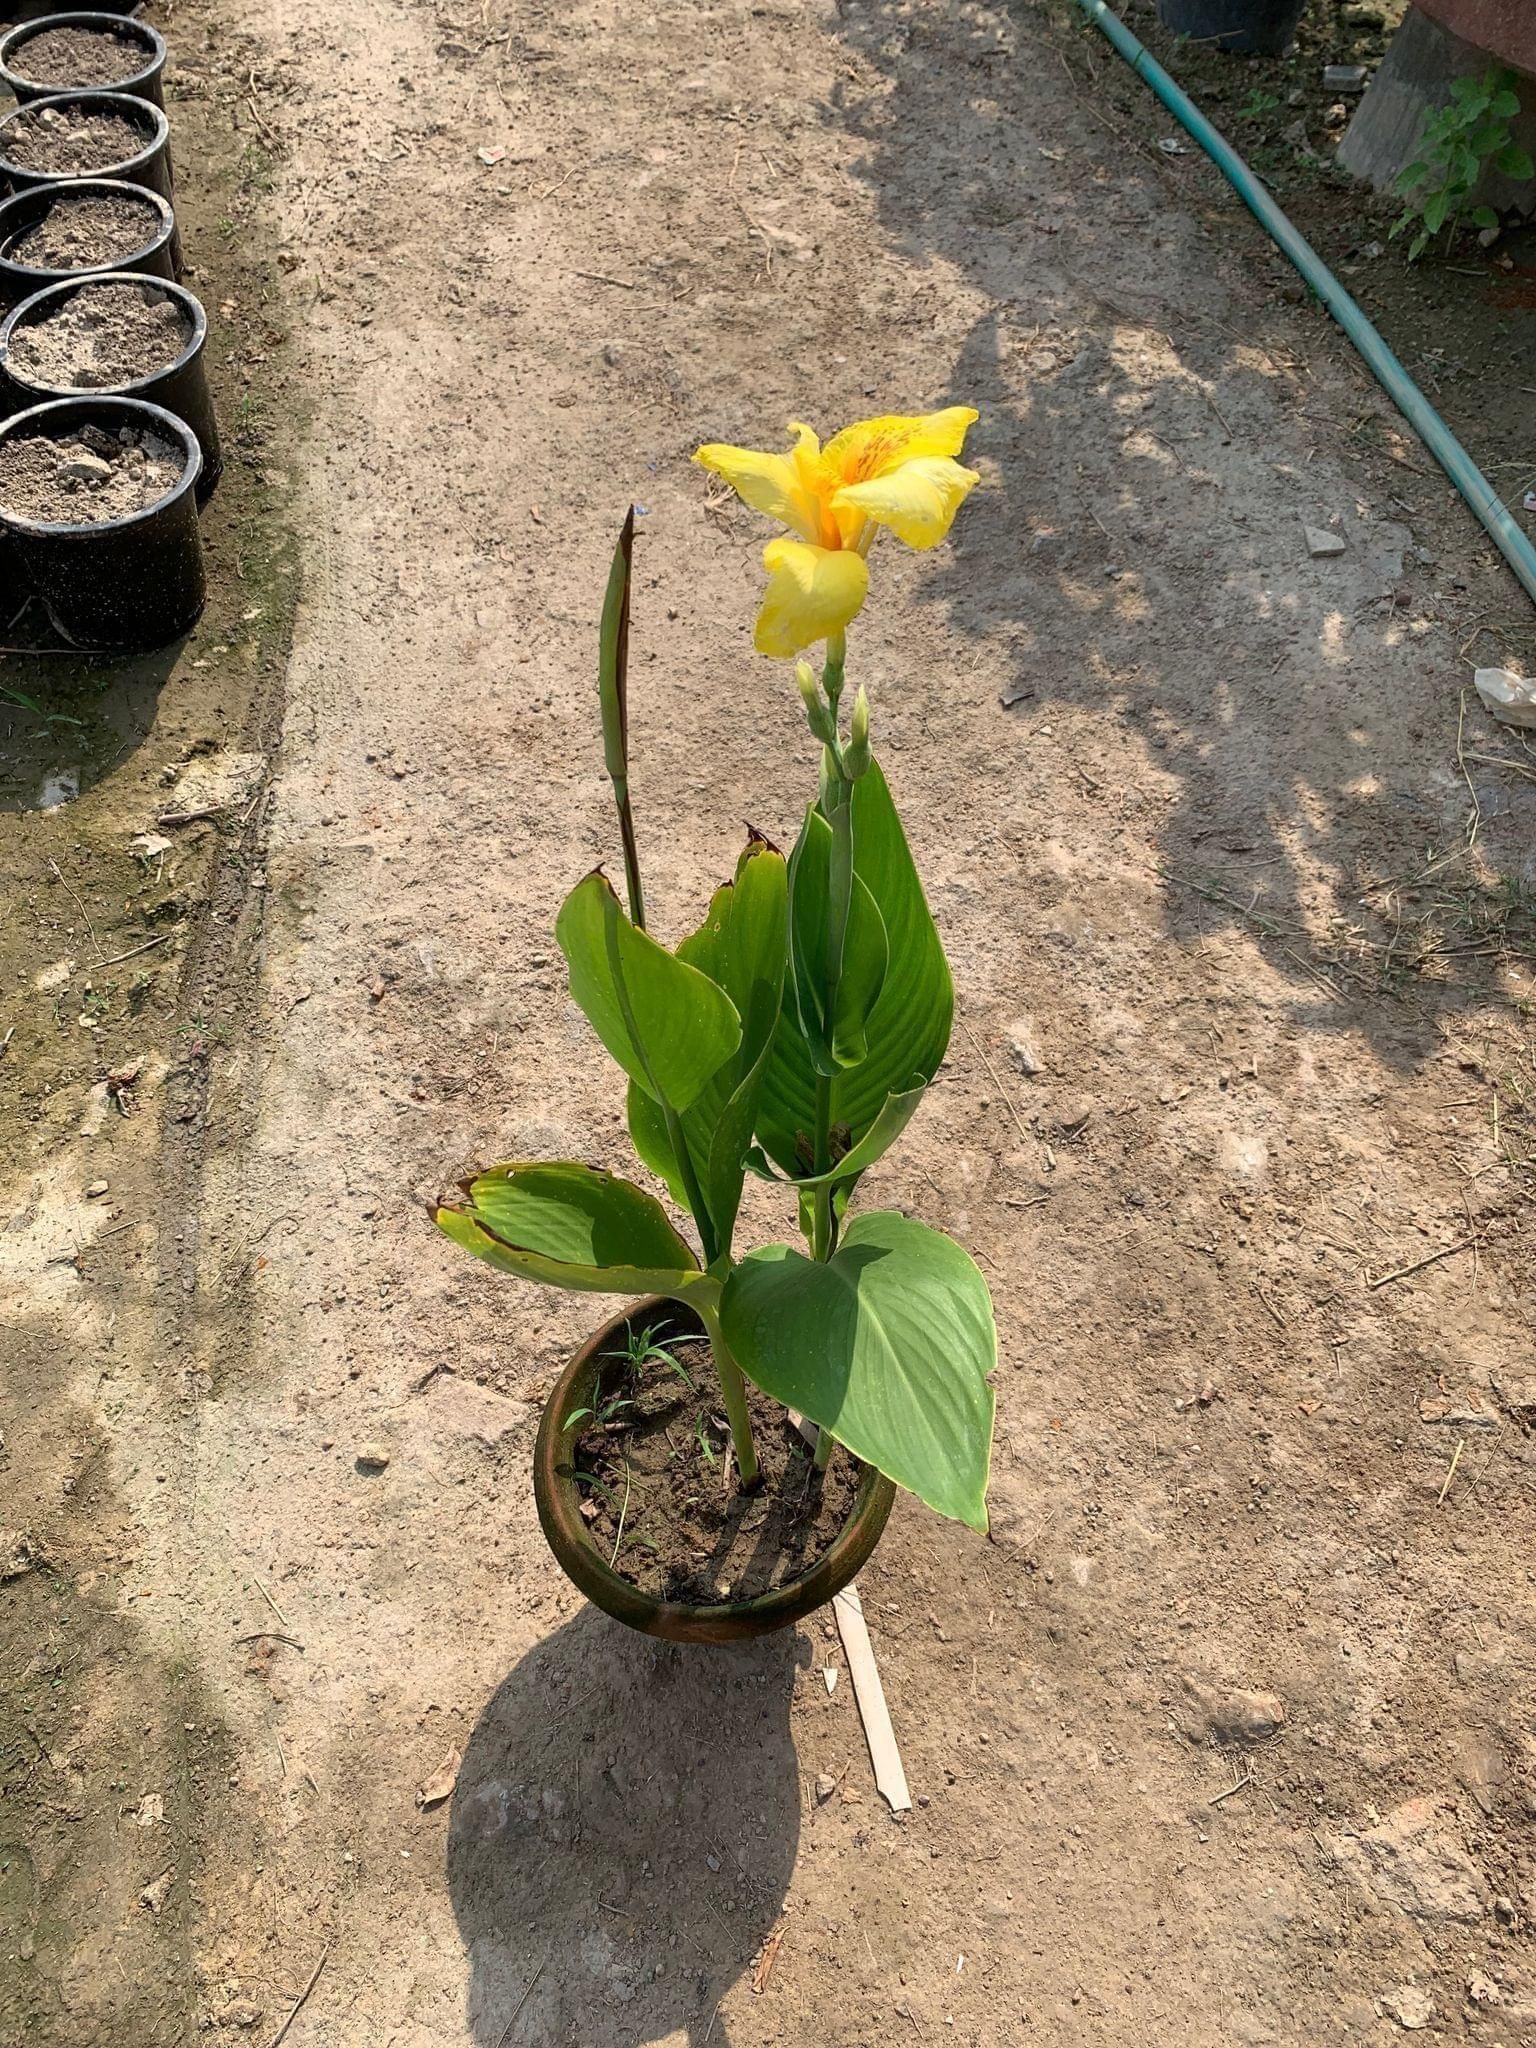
(434, 1790)
(767, 1956)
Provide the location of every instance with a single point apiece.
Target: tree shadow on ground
(623, 1833)
(1140, 549)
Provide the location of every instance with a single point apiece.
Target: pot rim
(136, 109)
(127, 27)
(142, 409)
(165, 215)
(87, 280)
(566, 1532)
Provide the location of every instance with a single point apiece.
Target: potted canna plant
(687, 1469)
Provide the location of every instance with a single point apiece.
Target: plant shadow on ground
(1139, 550)
(623, 1834)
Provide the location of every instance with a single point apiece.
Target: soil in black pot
(74, 142)
(662, 1502)
(102, 335)
(86, 477)
(79, 56)
(89, 232)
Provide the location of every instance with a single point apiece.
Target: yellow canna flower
(897, 471)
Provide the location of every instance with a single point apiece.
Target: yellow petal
(812, 592)
(782, 486)
(918, 501)
(872, 447)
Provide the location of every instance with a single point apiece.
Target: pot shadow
(67, 718)
(623, 1832)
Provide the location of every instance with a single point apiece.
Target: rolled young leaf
(571, 1226)
(888, 1345)
(613, 702)
(907, 1031)
(833, 1029)
(668, 1026)
(741, 946)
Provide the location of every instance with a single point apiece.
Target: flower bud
(856, 753)
(818, 717)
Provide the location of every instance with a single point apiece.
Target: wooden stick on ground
(890, 1778)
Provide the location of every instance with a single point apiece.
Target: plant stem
(708, 1236)
(824, 1448)
(733, 1387)
(631, 856)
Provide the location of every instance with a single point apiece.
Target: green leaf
(1414, 175)
(613, 658)
(907, 1030)
(1505, 104)
(1417, 246)
(888, 1345)
(1515, 163)
(571, 1226)
(668, 1026)
(1435, 210)
(742, 947)
(1485, 217)
(834, 1039)
(1485, 140)
(896, 1113)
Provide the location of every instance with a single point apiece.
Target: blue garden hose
(1410, 401)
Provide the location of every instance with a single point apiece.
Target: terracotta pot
(559, 1503)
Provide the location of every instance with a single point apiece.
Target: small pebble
(372, 1458)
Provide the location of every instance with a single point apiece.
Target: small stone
(1022, 1049)
(1409, 2004)
(1364, 14)
(826, 1785)
(372, 1458)
(1229, 1714)
(713, 1862)
(1320, 542)
(1504, 1911)
(96, 1190)
(1345, 77)
(84, 468)
(155, 1894)
(1481, 1989)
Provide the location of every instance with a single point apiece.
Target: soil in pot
(103, 335)
(66, 57)
(89, 232)
(74, 143)
(662, 1503)
(87, 477)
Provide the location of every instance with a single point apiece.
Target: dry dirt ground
(1229, 1734)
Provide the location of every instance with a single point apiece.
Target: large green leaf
(888, 1345)
(741, 946)
(908, 1029)
(570, 1226)
(833, 1029)
(668, 1026)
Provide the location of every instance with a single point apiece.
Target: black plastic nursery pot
(143, 57)
(559, 1503)
(149, 166)
(124, 585)
(23, 210)
(29, 10)
(1252, 28)
(181, 387)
